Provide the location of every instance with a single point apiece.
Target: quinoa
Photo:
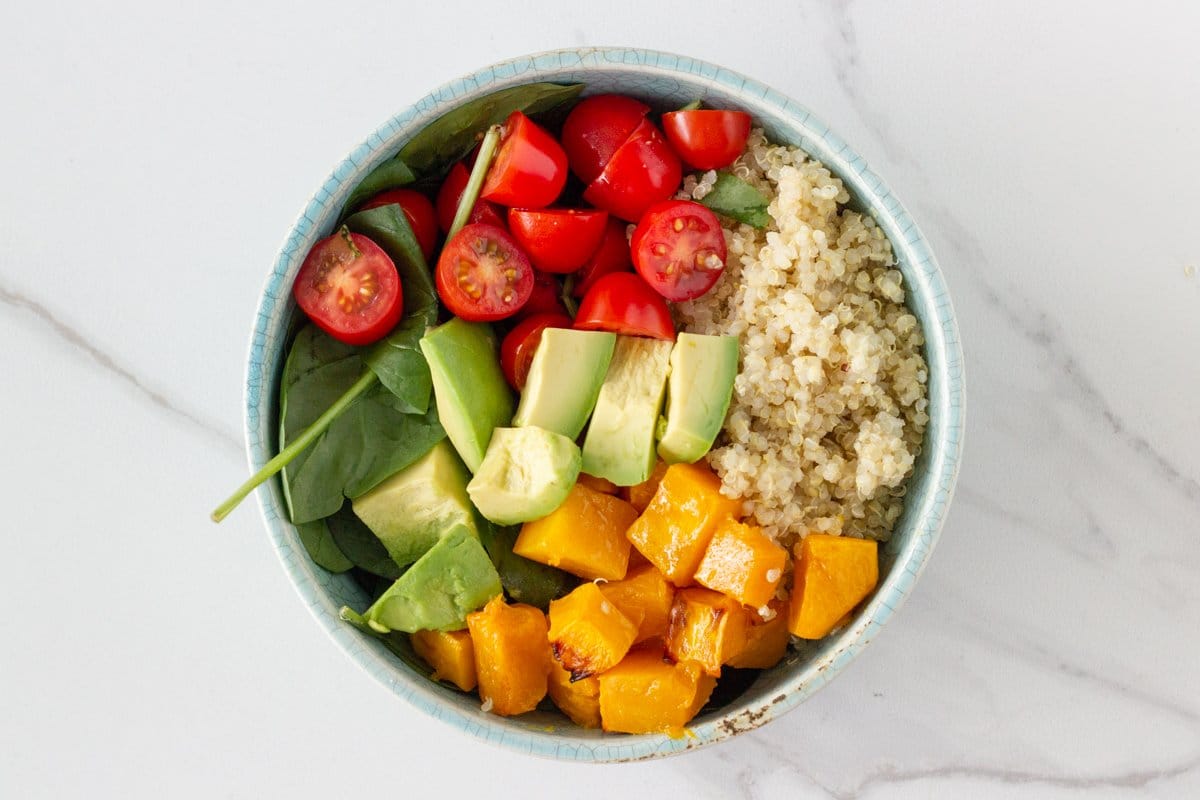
(829, 406)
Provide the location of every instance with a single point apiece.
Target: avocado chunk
(564, 380)
(620, 439)
(698, 394)
(450, 581)
(468, 386)
(526, 474)
(411, 510)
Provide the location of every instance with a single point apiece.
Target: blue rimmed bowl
(665, 81)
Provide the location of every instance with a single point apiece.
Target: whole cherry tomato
(546, 297)
(621, 302)
(707, 139)
(595, 128)
(530, 168)
(482, 275)
(418, 209)
(518, 347)
(679, 249)
(557, 239)
(643, 171)
(350, 288)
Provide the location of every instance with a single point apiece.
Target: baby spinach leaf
(452, 135)
(359, 546)
(322, 549)
(524, 581)
(396, 642)
(391, 174)
(734, 197)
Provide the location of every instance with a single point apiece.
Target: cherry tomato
(530, 168)
(518, 347)
(679, 249)
(643, 171)
(482, 275)
(611, 256)
(350, 288)
(546, 297)
(418, 209)
(452, 191)
(707, 139)
(557, 239)
(595, 128)
(622, 302)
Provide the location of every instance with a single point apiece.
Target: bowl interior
(665, 81)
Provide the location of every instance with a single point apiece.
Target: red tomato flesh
(350, 288)
(643, 171)
(451, 193)
(530, 168)
(482, 275)
(707, 139)
(621, 302)
(611, 256)
(595, 128)
(518, 347)
(557, 239)
(420, 213)
(679, 249)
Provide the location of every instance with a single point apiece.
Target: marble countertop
(152, 162)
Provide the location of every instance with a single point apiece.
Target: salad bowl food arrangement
(606, 404)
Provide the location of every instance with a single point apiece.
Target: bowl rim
(911, 250)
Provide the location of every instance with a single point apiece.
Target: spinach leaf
(524, 581)
(733, 197)
(391, 174)
(359, 546)
(452, 135)
(396, 642)
(321, 547)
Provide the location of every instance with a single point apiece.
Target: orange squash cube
(640, 494)
(646, 595)
(832, 576)
(451, 655)
(742, 562)
(602, 485)
(645, 694)
(766, 643)
(512, 655)
(706, 627)
(675, 529)
(579, 700)
(588, 634)
(584, 536)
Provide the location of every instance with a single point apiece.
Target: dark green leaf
(452, 135)
(396, 642)
(733, 197)
(391, 174)
(359, 546)
(524, 581)
(321, 547)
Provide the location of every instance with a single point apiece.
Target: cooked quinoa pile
(829, 406)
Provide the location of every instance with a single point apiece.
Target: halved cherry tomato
(418, 209)
(622, 302)
(451, 193)
(546, 297)
(611, 256)
(595, 128)
(350, 288)
(557, 239)
(705, 138)
(530, 169)
(518, 347)
(679, 249)
(643, 171)
(482, 275)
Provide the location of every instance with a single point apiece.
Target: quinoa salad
(830, 404)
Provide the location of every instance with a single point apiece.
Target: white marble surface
(151, 162)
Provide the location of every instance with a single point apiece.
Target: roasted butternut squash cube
(589, 634)
(584, 536)
(578, 699)
(512, 655)
(706, 627)
(646, 595)
(602, 485)
(833, 575)
(640, 494)
(742, 562)
(766, 643)
(451, 655)
(675, 529)
(645, 694)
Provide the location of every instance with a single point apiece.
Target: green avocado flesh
(698, 394)
(619, 444)
(526, 474)
(471, 393)
(564, 380)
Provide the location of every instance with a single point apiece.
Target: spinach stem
(306, 437)
(487, 149)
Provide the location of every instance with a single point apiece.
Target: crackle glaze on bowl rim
(671, 81)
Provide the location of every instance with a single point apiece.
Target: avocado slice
(698, 394)
(620, 439)
(564, 380)
(472, 396)
(450, 581)
(526, 474)
(411, 510)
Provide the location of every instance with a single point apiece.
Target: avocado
(620, 439)
(453, 579)
(526, 474)
(564, 379)
(411, 510)
(698, 394)
(472, 396)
